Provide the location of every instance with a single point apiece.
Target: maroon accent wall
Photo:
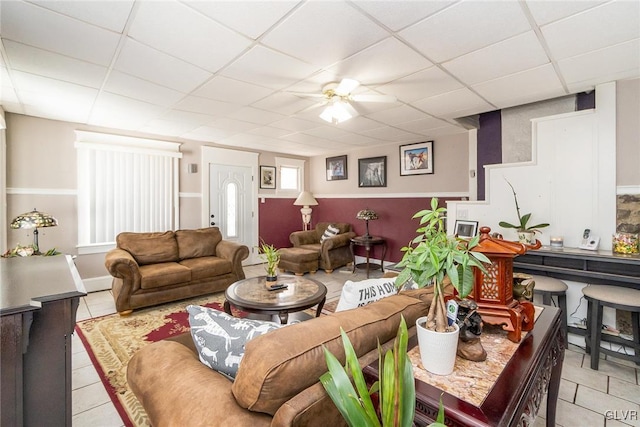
(279, 217)
(489, 146)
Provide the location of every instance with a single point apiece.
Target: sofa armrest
(299, 238)
(176, 389)
(235, 253)
(337, 241)
(121, 264)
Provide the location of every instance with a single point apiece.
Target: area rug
(112, 340)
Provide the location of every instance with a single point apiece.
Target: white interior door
(229, 196)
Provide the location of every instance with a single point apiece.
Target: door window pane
(232, 203)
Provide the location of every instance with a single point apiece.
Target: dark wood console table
(39, 298)
(515, 398)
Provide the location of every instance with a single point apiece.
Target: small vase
(270, 281)
(437, 349)
(527, 237)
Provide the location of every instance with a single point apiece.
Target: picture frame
(268, 177)
(372, 172)
(416, 158)
(465, 229)
(337, 168)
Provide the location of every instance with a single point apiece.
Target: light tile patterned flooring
(608, 397)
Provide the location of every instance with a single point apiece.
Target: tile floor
(608, 397)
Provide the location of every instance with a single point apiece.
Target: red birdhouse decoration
(493, 291)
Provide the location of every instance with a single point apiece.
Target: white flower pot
(527, 237)
(437, 349)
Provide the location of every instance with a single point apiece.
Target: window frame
(297, 164)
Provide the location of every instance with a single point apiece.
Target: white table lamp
(306, 199)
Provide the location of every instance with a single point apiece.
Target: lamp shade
(305, 199)
(367, 214)
(34, 219)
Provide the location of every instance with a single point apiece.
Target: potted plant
(434, 258)
(526, 232)
(271, 256)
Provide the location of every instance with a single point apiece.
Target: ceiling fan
(338, 98)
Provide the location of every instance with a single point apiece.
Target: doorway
(229, 196)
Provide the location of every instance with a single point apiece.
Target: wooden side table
(368, 243)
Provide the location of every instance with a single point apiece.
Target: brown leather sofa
(277, 383)
(334, 252)
(155, 268)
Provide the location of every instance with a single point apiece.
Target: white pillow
(329, 232)
(357, 294)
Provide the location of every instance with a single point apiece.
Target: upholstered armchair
(333, 252)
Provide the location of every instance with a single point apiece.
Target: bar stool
(549, 287)
(619, 298)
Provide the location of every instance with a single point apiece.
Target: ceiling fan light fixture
(335, 113)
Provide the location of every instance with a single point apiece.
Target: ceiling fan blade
(307, 95)
(346, 86)
(374, 98)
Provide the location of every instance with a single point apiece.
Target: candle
(556, 242)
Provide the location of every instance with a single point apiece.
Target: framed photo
(466, 229)
(268, 177)
(416, 159)
(372, 172)
(336, 168)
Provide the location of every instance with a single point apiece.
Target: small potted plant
(526, 232)
(271, 256)
(434, 258)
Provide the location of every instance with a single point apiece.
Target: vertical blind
(125, 187)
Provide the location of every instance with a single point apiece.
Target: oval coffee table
(253, 296)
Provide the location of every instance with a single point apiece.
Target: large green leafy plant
(433, 257)
(523, 220)
(396, 386)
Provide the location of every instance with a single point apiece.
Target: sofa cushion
(198, 243)
(357, 294)
(220, 338)
(163, 274)
(207, 267)
(272, 373)
(330, 232)
(149, 248)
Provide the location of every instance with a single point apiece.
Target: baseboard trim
(96, 284)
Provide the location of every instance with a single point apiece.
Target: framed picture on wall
(372, 172)
(416, 159)
(268, 177)
(336, 168)
(466, 229)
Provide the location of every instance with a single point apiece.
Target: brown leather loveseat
(277, 382)
(155, 268)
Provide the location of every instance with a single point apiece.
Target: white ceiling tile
(32, 25)
(510, 56)
(602, 26)
(160, 68)
(399, 14)
(430, 82)
(252, 18)
(268, 68)
(392, 116)
(133, 87)
(193, 119)
(323, 42)
(285, 103)
(223, 88)
(458, 103)
(445, 130)
(208, 133)
(186, 34)
(167, 127)
(466, 26)
(327, 131)
(545, 12)
(294, 124)
(619, 62)
(111, 15)
(270, 132)
(423, 126)
(41, 62)
(71, 113)
(379, 64)
(232, 125)
(355, 139)
(392, 134)
(359, 124)
(255, 115)
(521, 88)
(119, 112)
(206, 106)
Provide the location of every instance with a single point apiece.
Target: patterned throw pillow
(331, 231)
(357, 294)
(220, 338)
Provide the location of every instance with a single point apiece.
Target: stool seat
(613, 294)
(548, 284)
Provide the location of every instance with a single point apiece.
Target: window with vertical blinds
(124, 184)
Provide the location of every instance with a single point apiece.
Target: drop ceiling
(225, 72)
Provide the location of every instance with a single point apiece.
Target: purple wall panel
(279, 217)
(489, 145)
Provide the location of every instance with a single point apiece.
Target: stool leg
(595, 321)
(587, 335)
(562, 302)
(635, 320)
